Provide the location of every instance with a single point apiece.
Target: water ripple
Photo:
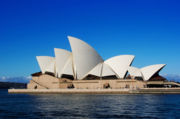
(78, 106)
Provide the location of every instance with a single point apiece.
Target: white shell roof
(149, 71)
(51, 67)
(133, 71)
(107, 71)
(120, 64)
(96, 70)
(102, 70)
(46, 63)
(61, 57)
(85, 58)
(68, 68)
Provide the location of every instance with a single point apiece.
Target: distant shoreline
(9, 85)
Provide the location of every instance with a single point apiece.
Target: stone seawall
(70, 91)
(98, 91)
(159, 90)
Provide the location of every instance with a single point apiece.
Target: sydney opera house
(84, 68)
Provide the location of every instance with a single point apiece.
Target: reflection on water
(82, 106)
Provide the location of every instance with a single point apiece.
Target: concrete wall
(113, 84)
(50, 82)
(65, 83)
(86, 84)
(43, 82)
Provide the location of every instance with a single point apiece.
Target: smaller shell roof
(120, 64)
(61, 57)
(102, 70)
(146, 72)
(68, 68)
(133, 71)
(46, 63)
(107, 71)
(96, 71)
(149, 71)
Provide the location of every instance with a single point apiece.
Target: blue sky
(148, 29)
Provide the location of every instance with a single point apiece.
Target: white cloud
(3, 78)
(29, 77)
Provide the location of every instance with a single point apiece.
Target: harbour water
(89, 106)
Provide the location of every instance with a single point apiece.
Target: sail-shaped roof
(107, 71)
(120, 64)
(61, 57)
(96, 71)
(85, 58)
(102, 70)
(149, 71)
(68, 68)
(46, 63)
(133, 71)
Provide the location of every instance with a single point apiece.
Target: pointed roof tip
(55, 48)
(69, 37)
(161, 65)
(72, 37)
(59, 49)
(37, 57)
(44, 56)
(133, 56)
